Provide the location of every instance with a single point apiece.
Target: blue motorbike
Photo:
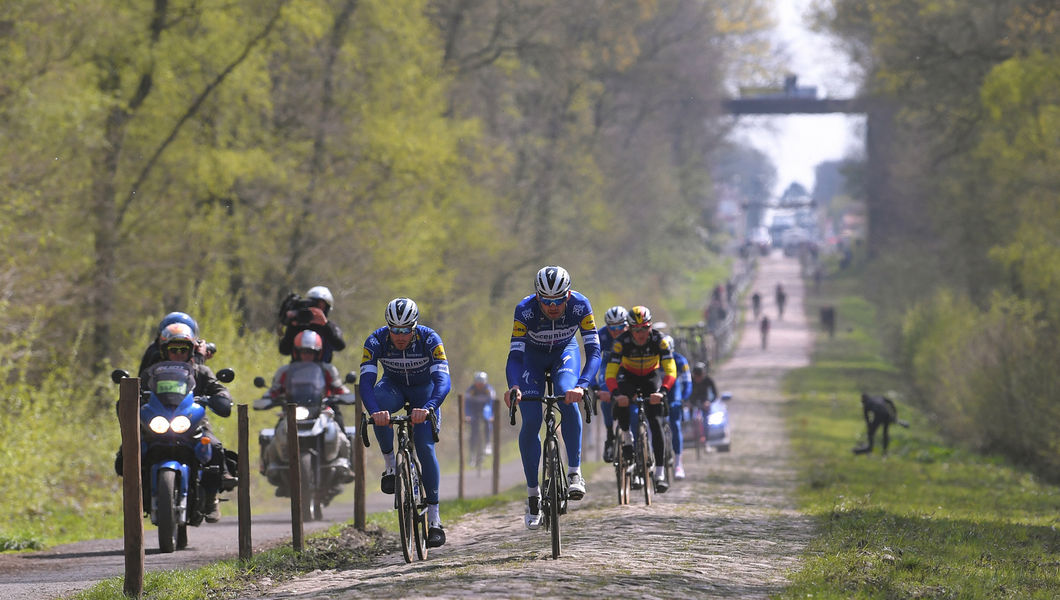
(179, 481)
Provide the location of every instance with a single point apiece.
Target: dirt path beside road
(730, 530)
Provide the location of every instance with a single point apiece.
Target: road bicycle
(553, 475)
(410, 500)
(643, 459)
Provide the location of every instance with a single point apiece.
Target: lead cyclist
(543, 338)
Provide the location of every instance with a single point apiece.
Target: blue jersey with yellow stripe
(534, 332)
(423, 361)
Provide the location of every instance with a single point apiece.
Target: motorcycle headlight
(181, 424)
(716, 418)
(159, 425)
(301, 413)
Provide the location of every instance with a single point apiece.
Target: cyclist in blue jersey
(682, 389)
(415, 370)
(543, 339)
(614, 325)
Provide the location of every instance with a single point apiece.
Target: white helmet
(481, 377)
(616, 315)
(402, 312)
(552, 282)
(320, 292)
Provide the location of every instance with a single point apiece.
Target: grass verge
(925, 521)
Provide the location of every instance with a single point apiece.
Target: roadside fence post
(294, 477)
(132, 486)
(246, 548)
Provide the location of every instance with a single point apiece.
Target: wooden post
(496, 446)
(132, 486)
(294, 477)
(460, 445)
(246, 549)
(360, 466)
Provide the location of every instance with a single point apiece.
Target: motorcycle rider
(175, 344)
(152, 355)
(315, 318)
(308, 347)
(416, 371)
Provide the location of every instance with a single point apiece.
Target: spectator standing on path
(781, 297)
(756, 304)
(763, 327)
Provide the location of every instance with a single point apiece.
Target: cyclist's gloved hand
(419, 415)
(381, 418)
(574, 395)
(512, 395)
(656, 398)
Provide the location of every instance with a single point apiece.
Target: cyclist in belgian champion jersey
(415, 370)
(642, 361)
(543, 339)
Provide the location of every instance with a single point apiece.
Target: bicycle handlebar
(588, 404)
(432, 417)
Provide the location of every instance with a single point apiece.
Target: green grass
(927, 520)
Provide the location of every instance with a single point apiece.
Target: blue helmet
(178, 317)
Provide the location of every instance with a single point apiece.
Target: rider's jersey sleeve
(614, 363)
(668, 365)
(439, 368)
(683, 388)
(590, 342)
(370, 368)
(517, 346)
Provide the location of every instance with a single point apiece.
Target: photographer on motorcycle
(175, 344)
(311, 313)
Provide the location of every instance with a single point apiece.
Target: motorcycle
(323, 447)
(716, 428)
(174, 454)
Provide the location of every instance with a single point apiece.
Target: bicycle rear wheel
(644, 460)
(554, 468)
(405, 505)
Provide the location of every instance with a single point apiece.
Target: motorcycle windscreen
(171, 382)
(305, 383)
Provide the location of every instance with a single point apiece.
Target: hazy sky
(797, 143)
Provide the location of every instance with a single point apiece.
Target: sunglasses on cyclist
(178, 348)
(644, 327)
(552, 301)
(616, 327)
(400, 330)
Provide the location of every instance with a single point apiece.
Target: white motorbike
(324, 449)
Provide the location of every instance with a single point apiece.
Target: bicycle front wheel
(554, 468)
(419, 503)
(406, 507)
(621, 473)
(644, 461)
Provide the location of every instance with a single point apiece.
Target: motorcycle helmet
(639, 316)
(616, 315)
(552, 282)
(178, 317)
(309, 340)
(402, 312)
(320, 292)
(176, 334)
